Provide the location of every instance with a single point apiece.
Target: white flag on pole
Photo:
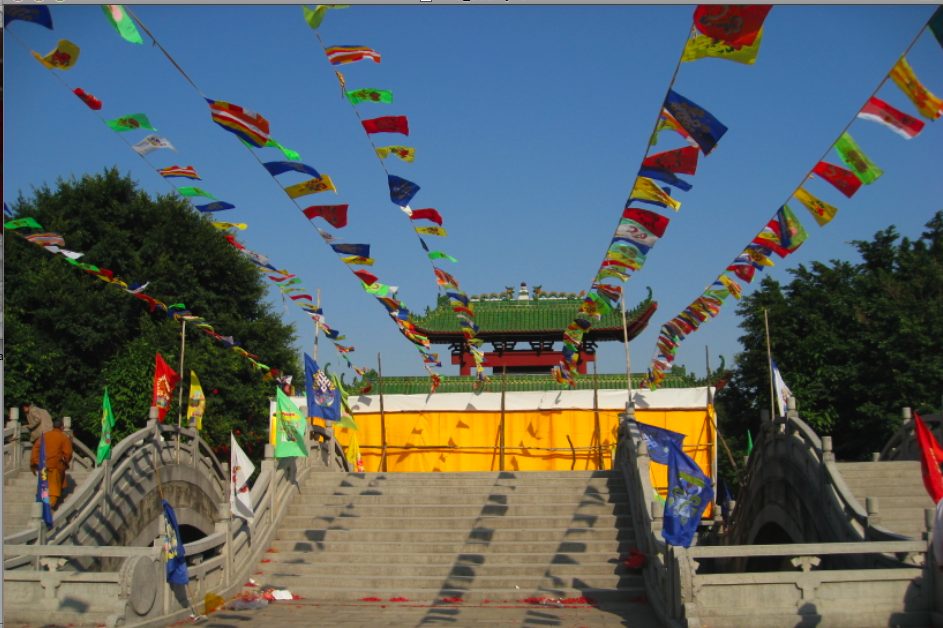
(240, 469)
(782, 390)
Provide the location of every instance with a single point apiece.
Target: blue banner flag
(323, 398)
(280, 167)
(657, 439)
(401, 190)
(29, 13)
(666, 176)
(173, 548)
(689, 493)
(215, 206)
(360, 250)
(697, 121)
(42, 483)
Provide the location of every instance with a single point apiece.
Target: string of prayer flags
(406, 153)
(679, 161)
(736, 25)
(339, 55)
(315, 16)
(63, 57)
(335, 215)
(122, 23)
(876, 110)
(702, 46)
(187, 172)
(429, 214)
(845, 181)
(311, 186)
(783, 234)
(666, 121)
(215, 206)
(435, 231)
(665, 176)
(150, 144)
(368, 94)
(190, 191)
(248, 125)
(927, 104)
(130, 122)
(854, 158)
(704, 128)
(28, 13)
(279, 167)
(732, 286)
(386, 124)
(401, 190)
(646, 190)
(90, 101)
(820, 210)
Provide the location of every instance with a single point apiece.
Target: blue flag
(698, 122)
(280, 167)
(657, 440)
(667, 177)
(173, 548)
(215, 206)
(725, 499)
(35, 14)
(689, 493)
(401, 190)
(42, 483)
(323, 398)
(360, 250)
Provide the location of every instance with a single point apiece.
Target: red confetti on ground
(271, 550)
(579, 600)
(451, 600)
(535, 600)
(295, 596)
(399, 599)
(370, 599)
(250, 584)
(266, 560)
(635, 560)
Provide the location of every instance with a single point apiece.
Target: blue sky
(529, 124)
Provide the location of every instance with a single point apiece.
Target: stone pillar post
(828, 455)
(223, 524)
(14, 422)
(269, 462)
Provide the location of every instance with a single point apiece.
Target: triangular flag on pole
(241, 469)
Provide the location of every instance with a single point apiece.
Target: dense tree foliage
(70, 334)
(855, 342)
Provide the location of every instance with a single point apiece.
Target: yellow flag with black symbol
(820, 210)
(65, 55)
(196, 403)
(311, 186)
(646, 189)
(702, 46)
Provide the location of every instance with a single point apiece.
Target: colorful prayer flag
(335, 215)
(386, 124)
(174, 554)
(196, 402)
(240, 469)
(679, 161)
(406, 153)
(322, 396)
(287, 152)
(27, 222)
(436, 231)
(704, 128)
(122, 22)
(108, 425)
(368, 94)
(434, 255)
(665, 176)
(401, 190)
(366, 276)
(647, 190)
(362, 250)
(190, 191)
(689, 494)
(90, 101)
(290, 428)
(42, 483)
(216, 206)
(641, 226)
(820, 210)
(339, 55)
(311, 186)
(927, 104)
(178, 171)
(845, 181)
(353, 453)
(165, 378)
(855, 159)
(667, 121)
(356, 260)
(36, 14)
(736, 25)
(315, 16)
(63, 57)
(701, 46)
(783, 234)
(248, 125)
(150, 144)
(896, 120)
(429, 214)
(732, 286)
(278, 167)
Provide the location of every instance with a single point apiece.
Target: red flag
(655, 223)
(88, 99)
(165, 378)
(443, 278)
(845, 181)
(336, 215)
(734, 24)
(679, 161)
(931, 455)
(366, 277)
(896, 120)
(387, 124)
(426, 214)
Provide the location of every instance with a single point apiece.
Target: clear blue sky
(529, 123)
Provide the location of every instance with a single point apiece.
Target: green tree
(70, 334)
(855, 342)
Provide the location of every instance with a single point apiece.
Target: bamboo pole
(504, 386)
(382, 415)
(317, 329)
(183, 348)
(598, 431)
(769, 361)
(630, 402)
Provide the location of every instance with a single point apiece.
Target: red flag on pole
(931, 455)
(165, 378)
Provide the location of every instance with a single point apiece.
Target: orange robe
(58, 457)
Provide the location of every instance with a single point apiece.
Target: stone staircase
(19, 495)
(478, 538)
(898, 487)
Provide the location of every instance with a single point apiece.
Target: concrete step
(480, 534)
(881, 467)
(551, 520)
(550, 559)
(573, 492)
(888, 504)
(370, 550)
(460, 499)
(751, 617)
(385, 568)
(522, 476)
(459, 510)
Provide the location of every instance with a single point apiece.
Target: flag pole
(382, 415)
(630, 402)
(317, 329)
(599, 462)
(504, 385)
(183, 348)
(769, 360)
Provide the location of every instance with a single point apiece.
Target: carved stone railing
(17, 448)
(903, 444)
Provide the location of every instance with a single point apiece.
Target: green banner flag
(287, 152)
(193, 191)
(108, 425)
(291, 427)
(315, 16)
(855, 159)
(22, 223)
(369, 95)
(122, 22)
(749, 442)
(441, 255)
(130, 122)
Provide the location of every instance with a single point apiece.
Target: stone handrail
(16, 452)
(903, 444)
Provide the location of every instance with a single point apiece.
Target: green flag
(378, 289)
(122, 22)
(855, 159)
(749, 442)
(315, 16)
(130, 123)
(368, 94)
(290, 428)
(441, 255)
(347, 418)
(192, 191)
(108, 424)
(289, 153)
(20, 223)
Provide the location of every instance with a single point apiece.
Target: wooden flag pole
(183, 348)
(504, 385)
(599, 463)
(630, 402)
(317, 329)
(769, 360)
(382, 415)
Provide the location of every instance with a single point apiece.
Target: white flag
(782, 390)
(151, 143)
(240, 469)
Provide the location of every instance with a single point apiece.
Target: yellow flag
(732, 286)
(406, 153)
(436, 231)
(63, 57)
(353, 453)
(222, 226)
(821, 211)
(647, 190)
(196, 403)
(358, 260)
(311, 186)
(929, 105)
(702, 46)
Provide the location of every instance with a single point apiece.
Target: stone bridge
(810, 540)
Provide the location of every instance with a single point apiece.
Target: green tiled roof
(509, 315)
(518, 383)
